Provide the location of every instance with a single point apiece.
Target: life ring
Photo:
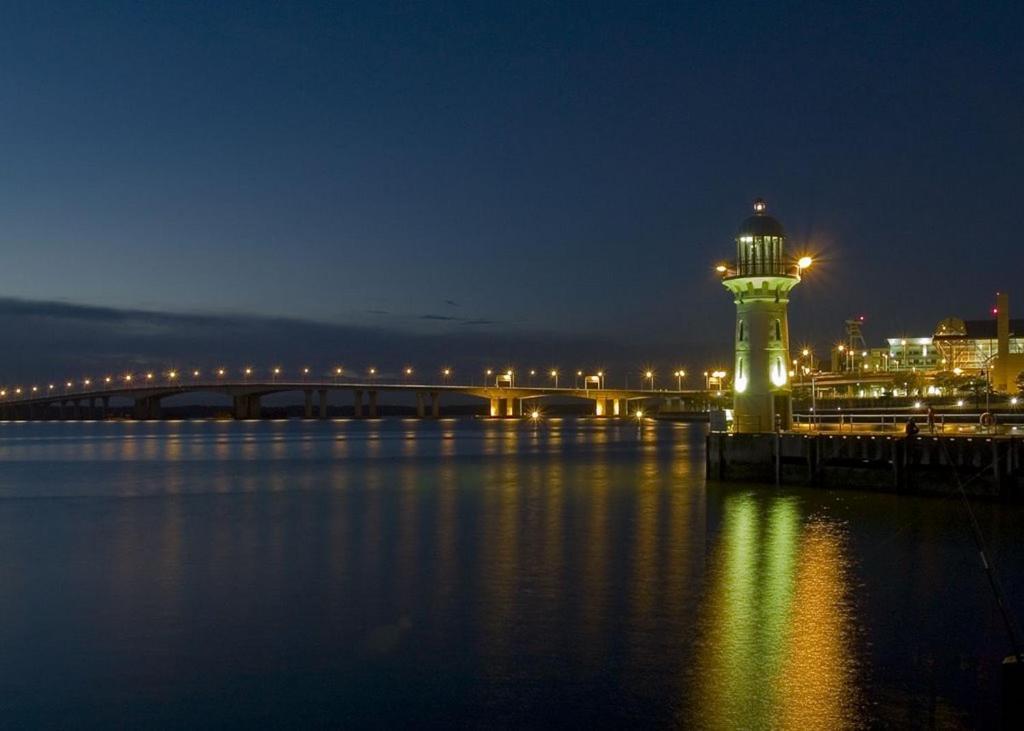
(986, 419)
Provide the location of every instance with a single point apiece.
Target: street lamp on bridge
(446, 373)
(680, 375)
(554, 375)
(649, 375)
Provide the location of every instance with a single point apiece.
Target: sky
(537, 183)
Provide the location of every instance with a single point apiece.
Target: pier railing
(896, 423)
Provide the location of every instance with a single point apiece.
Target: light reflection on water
(468, 572)
(777, 629)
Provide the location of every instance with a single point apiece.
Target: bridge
(89, 400)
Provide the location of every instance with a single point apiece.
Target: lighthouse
(760, 280)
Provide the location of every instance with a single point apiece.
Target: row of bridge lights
(506, 377)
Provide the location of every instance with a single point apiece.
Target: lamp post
(680, 375)
(649, 375)
(554, 375)
(814, 401)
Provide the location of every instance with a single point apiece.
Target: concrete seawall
(991, 466)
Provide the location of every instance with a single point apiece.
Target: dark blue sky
(505, 175)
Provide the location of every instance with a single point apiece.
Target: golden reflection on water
(776, 636)
(500, 556)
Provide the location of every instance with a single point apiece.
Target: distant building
(994, 347)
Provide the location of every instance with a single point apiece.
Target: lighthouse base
(756, 413)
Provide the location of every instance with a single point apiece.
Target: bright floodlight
(721, 269)
(534, 414)
(804, 262)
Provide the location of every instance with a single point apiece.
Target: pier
(986, 465)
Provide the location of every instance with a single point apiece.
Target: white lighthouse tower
(760, 281)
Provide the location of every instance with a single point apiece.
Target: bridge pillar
(495, 407)
(599, 407)
(357, 404)
(435, 404)
(421, 409)
(621, 406)
(307, 406)
(146, 407)
(373, 404)
(105, 401)
(247, 407)
(77, 409)
(323, 403)
(91, 414)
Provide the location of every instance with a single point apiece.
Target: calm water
(474, 573)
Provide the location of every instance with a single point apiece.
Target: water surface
(475, 573)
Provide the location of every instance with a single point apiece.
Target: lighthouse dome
(760, 224)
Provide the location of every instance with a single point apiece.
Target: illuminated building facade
(992, 347)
